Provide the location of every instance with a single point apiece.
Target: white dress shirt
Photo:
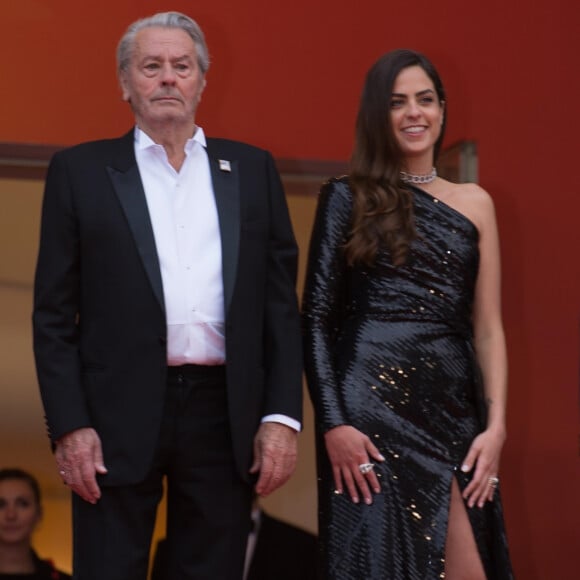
(186, 228)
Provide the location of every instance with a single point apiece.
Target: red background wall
(288, 78)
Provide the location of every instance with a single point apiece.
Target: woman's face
(416, 113)
(19, 511)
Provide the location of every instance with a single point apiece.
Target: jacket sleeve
(283, 349)
(56, 306)
(324, 299)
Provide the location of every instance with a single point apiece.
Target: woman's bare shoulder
(470, 199)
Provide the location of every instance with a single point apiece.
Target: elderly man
(166, 327)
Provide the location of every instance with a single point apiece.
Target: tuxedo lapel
(226, 186)
(128, 186)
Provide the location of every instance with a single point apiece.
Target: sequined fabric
(389, 351)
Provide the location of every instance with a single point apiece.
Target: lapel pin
(225, 165)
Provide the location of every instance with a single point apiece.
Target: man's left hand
(275, 454)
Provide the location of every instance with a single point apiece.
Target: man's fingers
(98, 459)
(274, 473)
(79, 458)
(265, 470)
(275, 452)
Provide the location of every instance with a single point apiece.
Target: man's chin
(168, 114)
(162, 120)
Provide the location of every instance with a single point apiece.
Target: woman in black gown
(405, 351)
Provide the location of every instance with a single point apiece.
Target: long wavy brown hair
(382, 205)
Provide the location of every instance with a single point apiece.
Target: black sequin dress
(389, 351)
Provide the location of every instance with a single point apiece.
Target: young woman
(20, 513)
(405, 350)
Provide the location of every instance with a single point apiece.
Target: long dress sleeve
(324, 300)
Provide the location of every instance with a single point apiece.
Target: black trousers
(208, 504)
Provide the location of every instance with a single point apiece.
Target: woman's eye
(395, 103)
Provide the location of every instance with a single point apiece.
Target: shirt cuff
(288, 421)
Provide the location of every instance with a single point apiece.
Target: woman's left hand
(483, 458)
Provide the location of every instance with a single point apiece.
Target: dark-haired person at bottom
(20, 514)
(276, 550)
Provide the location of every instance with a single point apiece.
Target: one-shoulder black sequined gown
(389, 351)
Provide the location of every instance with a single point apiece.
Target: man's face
(163, 81)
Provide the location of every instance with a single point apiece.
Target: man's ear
(125, 94)
(202, 88)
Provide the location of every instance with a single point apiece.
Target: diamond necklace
(414, 178)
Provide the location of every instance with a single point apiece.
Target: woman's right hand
(348, 449)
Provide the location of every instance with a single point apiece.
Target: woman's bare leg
(462, 560)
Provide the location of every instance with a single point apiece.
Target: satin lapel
(127, 183)
(226, 187)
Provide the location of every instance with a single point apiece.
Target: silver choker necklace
(418, 179)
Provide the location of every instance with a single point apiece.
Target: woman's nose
(10, 512)
(413, 108)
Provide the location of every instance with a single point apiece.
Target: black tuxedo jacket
(99, 319)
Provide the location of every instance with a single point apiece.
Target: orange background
(288, 78)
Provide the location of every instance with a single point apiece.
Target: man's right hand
(79, 457)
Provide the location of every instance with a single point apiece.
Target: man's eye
(151, 66)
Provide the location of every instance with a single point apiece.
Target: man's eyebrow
(153, 56)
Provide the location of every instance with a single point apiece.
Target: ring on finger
(493, 481)
(365, 468)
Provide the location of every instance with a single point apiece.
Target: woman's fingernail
(381, 457)
(465, 468)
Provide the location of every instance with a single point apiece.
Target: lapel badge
(225, 165)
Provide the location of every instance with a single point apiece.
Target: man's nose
(167, 74)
